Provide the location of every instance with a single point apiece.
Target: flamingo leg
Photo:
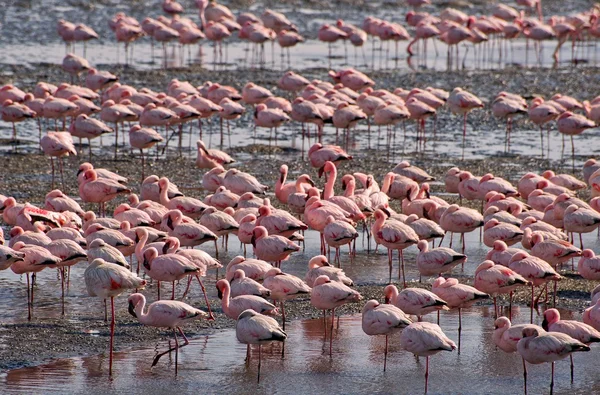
(331, 336)
(524, 376)
(426, 372)
(259, 361)
(247, 355)
(177, 346)
(552, 380)
(28, 300)
(210, 314)
(510, 306)
(385, 353)
(572, 373)
(176, 349)
(532, 303)
(112, 334)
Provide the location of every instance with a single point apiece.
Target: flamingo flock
(152, 230)
(488, 36)
(132, 235)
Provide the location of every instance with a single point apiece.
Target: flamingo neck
(280, 182)
(139, 247)
(350, 188)
(328, 192)
(225, 300)
(164, 196)
(387, 181)
(139, 312)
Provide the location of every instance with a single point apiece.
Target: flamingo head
(502, 322)
(550, 317)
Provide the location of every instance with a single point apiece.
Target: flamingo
(242, 285)
(534, 269)
(579, 331)
(272, 248)
(99, 190)
(284, 287)
(460, 220)
(506, 336)
(589, 265)
(496, 279)
(425, 339)
(327, 295)
(393, 235)
(538, 347)
(233, 307)
(457, 295)
(164, 314)
(107, 280)
(383, 319)
(414, 301)
(438, 260)
(253, 328)
(463, 102)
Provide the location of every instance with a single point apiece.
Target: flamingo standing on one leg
(327, 295)
(164, 314)
(425, 339)
(383, 319)
(107, 280)
(495, 279)
(254, 328)
(463, 102)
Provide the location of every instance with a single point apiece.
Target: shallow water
(215, 364)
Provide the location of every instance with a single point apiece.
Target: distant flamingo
(284, 287)
(463, 102)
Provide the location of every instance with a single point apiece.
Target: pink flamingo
(580, 220)
(253, 328)
(168, 267)
(107, 280)
(553, 251)
(283, 190)
(34, 260)
(383, 319)
(143, 138)
(343, 202)
(211, 158)
(438, 260)
(319, 154)
(425, 339)
(279, 222)
(579, 331)
(284, 287)
(233, 307)
(253, 268)
(460, 220)
(573, 124)
(415, 301)
(164, 314)
(242, 285)
(496, 279)
(189, 234)
(15, 112)
(589, 265)
(501, 254)
(337, 234)
(319, 266)
(538, 347)
(463, 102)
(85, 127)
(240, 182)
(188, 206)
(58, 144)
(506, 336)
(494, 230)
(272, 248)
(99, 190)
(327, 295)
(393, 235)
(536, 270)
(457, 295)
(101, 173)
(591, 315)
